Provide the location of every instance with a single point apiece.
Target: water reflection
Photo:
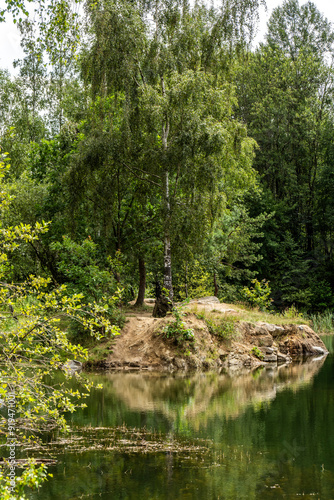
(328, 340)
(269, 434)
(194, 398)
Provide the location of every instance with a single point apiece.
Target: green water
(264, 435)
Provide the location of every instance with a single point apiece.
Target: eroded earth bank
(222, 339)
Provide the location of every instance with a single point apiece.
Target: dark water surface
(262, 435)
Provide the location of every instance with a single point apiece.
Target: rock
(166, 357)
(180, 363)
(114, 364)
(319, 350)
(270, 358)
(278, 344)
(222, 354)
(232, 359)
(306, 329)
(282, 358)
(301, 341)
(295, 348)
(259, 330)
(274, 330)
(202, 300)
(162, 306)
(71, 366)
(266, 341)
(248, 361)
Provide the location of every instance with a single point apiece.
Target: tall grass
(323, 322)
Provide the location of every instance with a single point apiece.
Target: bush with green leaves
(258, 295)
(176, 330)
(192, 280)
(32, 477)
(32, 347)
(292, 313)
(82, 272)
(258, 353)
(78, 264)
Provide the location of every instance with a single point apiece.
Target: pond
(268, 434)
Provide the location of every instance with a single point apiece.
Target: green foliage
(223, 328)
(295, 28)
(175, 128)
(32, 346)
(32, 477)
(237, 241)
(279, 91)
(157, 143)
(175, 104)
(78, 264)
(192, 280)
(257, 352)
(80, 269)
(292, 312)
(258, 295)
(323, 322)
(322, 294)
(176, 329)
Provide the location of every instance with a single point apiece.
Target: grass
(221, 327)
(134, 310)
(252, 315)
(323, 322)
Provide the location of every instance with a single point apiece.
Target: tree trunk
(215, 284)
(186, 281)
(168, 285)
(142, 282)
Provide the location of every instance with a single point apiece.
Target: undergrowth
(256, 351)
(323, 322)
(223, 328)
(176, 330)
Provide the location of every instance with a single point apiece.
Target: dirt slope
(142, 346)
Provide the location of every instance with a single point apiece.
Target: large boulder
(205, 300)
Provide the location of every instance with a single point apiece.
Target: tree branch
(141, 178)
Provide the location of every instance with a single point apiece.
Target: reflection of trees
(196, 398)
(268, 432)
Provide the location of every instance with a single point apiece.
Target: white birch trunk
(168, 284)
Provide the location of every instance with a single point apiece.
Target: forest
(160, 148)
(145, 145)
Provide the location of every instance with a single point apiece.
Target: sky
(10, 40)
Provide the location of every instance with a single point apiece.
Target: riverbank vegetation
(166, 155)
